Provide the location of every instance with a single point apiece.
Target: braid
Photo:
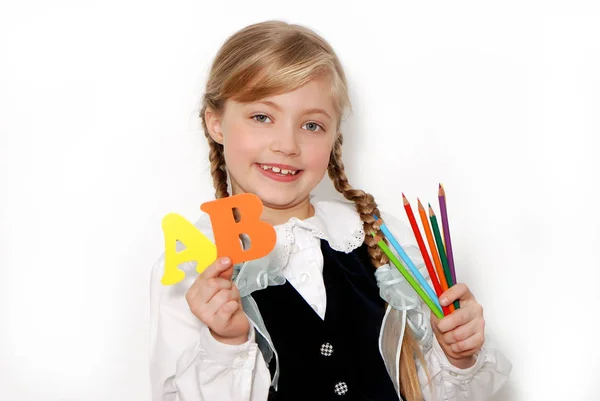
(367, 207)
(365, 203)
(217, 162)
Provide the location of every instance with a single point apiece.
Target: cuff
(235, 356)
(450, 371)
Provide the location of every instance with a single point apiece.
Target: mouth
(279, 172)
(279, 169)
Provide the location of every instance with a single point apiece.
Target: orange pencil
(433, 249)
(424, 253)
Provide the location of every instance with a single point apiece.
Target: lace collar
(334, 221)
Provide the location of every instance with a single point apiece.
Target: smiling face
(278, 147)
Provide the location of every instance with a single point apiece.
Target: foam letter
(198, 248)
(227, 231)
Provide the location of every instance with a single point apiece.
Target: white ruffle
(336, 222)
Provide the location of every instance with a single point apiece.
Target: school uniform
(322, 329)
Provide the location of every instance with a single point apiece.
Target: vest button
(340, 388)
(326, 349)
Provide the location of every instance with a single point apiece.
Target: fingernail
(444, 301)
(225, 261)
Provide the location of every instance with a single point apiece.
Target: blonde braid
(365, 203)
(367, 207)
(217, 160)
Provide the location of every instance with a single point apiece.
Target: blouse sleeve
(187, 363)
(442, 381)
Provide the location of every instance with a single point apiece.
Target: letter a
(198, 248)
(227, 231)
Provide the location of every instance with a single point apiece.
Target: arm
(463, 376)
(446, 382)
(187, 363)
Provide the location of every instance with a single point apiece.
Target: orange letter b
(227, 231)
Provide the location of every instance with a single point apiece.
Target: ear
(213, 124)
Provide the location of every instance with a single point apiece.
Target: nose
(285, 142)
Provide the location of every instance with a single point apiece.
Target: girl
(323, 316)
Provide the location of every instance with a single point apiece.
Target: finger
(458, 291)
(459, 317)
(235, 293)
(220, 299)
(217, 268)
(474, 342)
(212, 286)
(463, 332)
(224, 315)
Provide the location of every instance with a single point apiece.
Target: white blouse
(188, 364)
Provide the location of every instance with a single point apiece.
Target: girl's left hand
(460, 334)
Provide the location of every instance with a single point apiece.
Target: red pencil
(424, 253)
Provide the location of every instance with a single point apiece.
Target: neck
(275, 216)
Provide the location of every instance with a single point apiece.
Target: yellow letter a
(198, 248)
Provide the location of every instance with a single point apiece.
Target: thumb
(227, 273)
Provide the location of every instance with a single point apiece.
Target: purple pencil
(444, 215)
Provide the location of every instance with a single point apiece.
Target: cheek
(240, 141)
(318, 155)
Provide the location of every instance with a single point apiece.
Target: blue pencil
(410, 264)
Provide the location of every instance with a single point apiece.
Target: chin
(278, 200)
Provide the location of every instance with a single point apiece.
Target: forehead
(316, 94)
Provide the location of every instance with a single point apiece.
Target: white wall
(99, 140)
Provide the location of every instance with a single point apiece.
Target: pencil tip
(441, 191)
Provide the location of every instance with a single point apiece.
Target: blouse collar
(334, 221)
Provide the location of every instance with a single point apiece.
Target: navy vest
(336, 358)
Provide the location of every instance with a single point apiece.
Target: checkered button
(326, 349)
(340, 388)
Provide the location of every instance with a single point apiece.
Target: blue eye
(314, 127)
(261, 118)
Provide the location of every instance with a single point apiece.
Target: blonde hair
(272, 58)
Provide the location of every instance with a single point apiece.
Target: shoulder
(343, 214)
(340, 224)
(399, 226)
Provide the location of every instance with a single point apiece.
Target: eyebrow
(308, 111)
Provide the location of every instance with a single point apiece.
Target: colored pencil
(433, 249)
(390, 237)
(424, 253)
(434, 308)
(441, 251)
(447, 240)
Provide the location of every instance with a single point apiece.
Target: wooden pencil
(424, 253)
(446, 226)
(441, 251)
(433, 249)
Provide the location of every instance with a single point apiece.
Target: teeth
(278, 170)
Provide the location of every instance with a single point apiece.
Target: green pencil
(413, 283)
(441, 251)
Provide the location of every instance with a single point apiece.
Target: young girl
(323, 316)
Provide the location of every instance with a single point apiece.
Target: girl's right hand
(215, 300)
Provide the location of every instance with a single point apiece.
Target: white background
(99, 139)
